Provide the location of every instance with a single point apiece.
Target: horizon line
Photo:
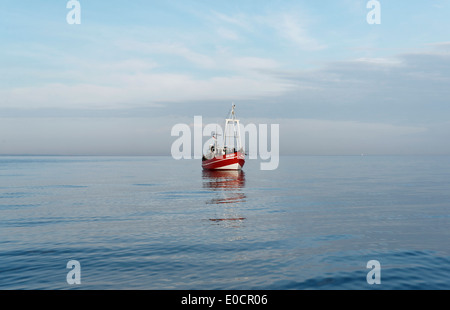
(169, 155)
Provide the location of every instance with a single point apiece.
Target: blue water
(157, 223)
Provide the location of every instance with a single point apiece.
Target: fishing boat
(230, 155)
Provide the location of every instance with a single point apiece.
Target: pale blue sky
(118, 82)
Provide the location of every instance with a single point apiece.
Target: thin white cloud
(134, 90)
(255, 63)
(177, 49)
(290, 27)
(377, 61)
(240, 20)
(228, 34)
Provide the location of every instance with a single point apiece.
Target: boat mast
(236, 133)
(215, 142)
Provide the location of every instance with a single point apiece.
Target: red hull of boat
(233, 161)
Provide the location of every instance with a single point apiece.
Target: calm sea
(157, 223)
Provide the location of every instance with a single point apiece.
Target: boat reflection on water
(231, 181)
(227, 187)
